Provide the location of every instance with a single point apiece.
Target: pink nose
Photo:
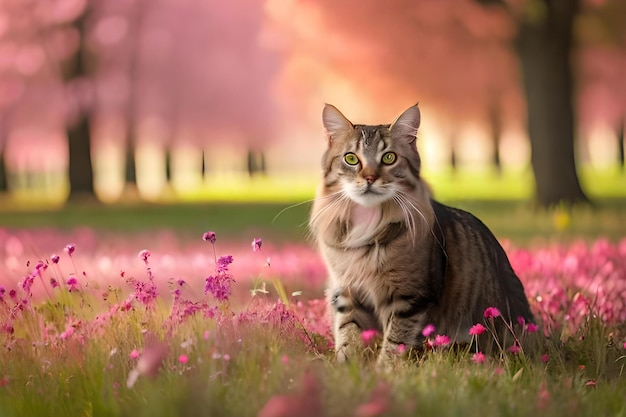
(370, 178)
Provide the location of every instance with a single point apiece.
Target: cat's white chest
(364, 225)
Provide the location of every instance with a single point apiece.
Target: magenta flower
(183, 359)
(401, 348)
(72, 284)
(144, 255)
(624, 345)
(368, 335)
(54, 283)
(70, 249)
(491, 312)
(209, 237)
(219, 284)
(428, 330)
(134, 354)
(514, 349)
(223, 262)
(40, 266)
(256, 244)
(545, 358)
(477, 329)
(531, 327)
(478, 357)
(441, 340)
(55, 258)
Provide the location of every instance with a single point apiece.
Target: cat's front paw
(390, 357)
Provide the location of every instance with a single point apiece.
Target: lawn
(116, 310)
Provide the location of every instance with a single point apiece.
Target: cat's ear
(406, 125)
(335, 122)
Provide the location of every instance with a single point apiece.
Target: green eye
(389, 158)
(351, 159)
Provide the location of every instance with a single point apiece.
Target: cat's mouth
(369, 189)
(370, 196)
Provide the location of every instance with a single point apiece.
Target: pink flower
(531, 327)
(149, 362)
(514, 349)
(209, 237)
(492, 312)
(441, 340)
(478, 357)
(378, 403)
(624, 345)
(401, 348)
(545, 358)
(70, 249)
(72, 284)
(428, 330)
(543, 397)
(521, 321)
(69, 331)
(477, 329)
(302, 402)
(183, 359)
(134, 354)
(256, 244)
(368, 335)
(144, 255)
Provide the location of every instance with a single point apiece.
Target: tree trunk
(4, 184)
(620, 144)
(544, 47)
(81, 177)
(495, 124)
(78, 132)
(130, 166)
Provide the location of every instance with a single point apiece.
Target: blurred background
(202, 100)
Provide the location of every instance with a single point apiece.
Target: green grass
(515, 220)
(86, 374)
(278, 209)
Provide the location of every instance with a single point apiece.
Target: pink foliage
(305, 402)
(566, 284)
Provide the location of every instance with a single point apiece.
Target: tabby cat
(397, 259)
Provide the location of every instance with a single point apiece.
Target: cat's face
(371, 164)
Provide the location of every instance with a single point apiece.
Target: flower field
(115, 325)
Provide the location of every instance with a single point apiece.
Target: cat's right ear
(406, 125)
(335, 123)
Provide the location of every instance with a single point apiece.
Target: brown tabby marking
(398, 260)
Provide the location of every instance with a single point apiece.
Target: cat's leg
(349, 319)
(401, 334)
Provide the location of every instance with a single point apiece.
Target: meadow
(217, 309)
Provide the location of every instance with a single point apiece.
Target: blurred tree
(3, 170)
(620, 144)
(4, 130)
(76, 73)
(544, 44)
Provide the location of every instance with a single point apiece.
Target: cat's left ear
(335, 122)
(406, 125)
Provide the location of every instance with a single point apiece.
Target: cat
(397, 259)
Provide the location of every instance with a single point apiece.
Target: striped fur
(397, 259)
